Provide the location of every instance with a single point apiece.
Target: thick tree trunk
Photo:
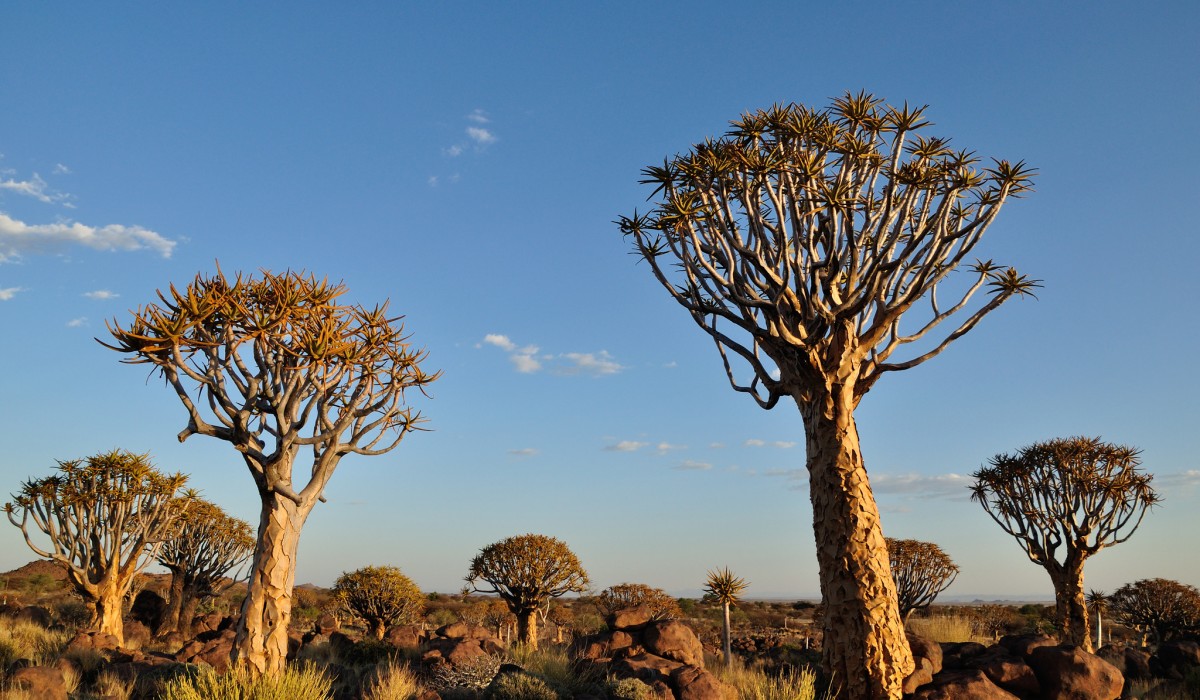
(865, 651)
(376, 629)
(108, 611)
(262, 631)
(527, 631)
(187, 613)
(1070, 609)
(171, 618)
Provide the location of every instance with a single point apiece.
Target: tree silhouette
(798, 242)
(725, 588)
(526, 571)
(1164, 607)
(280, 367)
(1064, 500)
(204, 547)
(105, 516)
(921, 571)
(381, 596)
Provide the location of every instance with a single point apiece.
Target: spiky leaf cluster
(1166, 607)
(921, 571)
(1066, 497)
(280, 364)
(526, 570)
(806, 234)
(724, 587)
(105, 516)
(381, 596)
(630, 595)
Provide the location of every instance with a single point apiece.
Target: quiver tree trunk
(172, 619)
(262, 631)
(107, 614)
(1070, 604)
(726, 644)
(866, 652)
(527, 629)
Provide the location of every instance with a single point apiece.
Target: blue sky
(466, 160)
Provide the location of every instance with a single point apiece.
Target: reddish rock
(694, 683)
(327, 623)
(927, 649)
(631, 618)
(1010, 673)
(214, 652)
(920, 676)
(1070, 673)
(963, 685)
(645, 667)
(1175, 659)
(36, 614)
(1022, 645)
(40, 682)
(955, 655)
(671, 639)
(463, 630)
(137, 635)
(405, 637)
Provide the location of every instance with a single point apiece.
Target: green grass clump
(298, 682)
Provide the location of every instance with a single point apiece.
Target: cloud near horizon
(18, 238)
(101, 294)
(692, 465)
(952, 486)
(527, 360)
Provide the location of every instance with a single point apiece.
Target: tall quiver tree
(526, 571)
(921, 571)
(1064, 500)
(726, 589)
(105, 517)
(280, 367)
(202, 553)
(798, 242)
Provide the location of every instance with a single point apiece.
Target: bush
(475, 674)
(29, 640)
(752, 683)
(519, 685)
(392, 681)
(628, 689)
(299, 682)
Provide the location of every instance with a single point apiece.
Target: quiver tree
(105, 517)
(1097, 602)
(1161, 606)
(726, 590)
(921, 571)
(798, 242)
(526, 571)
(380, 596)
(631, 595)
(203, 552)
(280, 369)
(1064, 500)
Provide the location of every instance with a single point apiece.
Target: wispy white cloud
(455, 151)
(77, 322)
(101, 294)
(34, 187)
(18, 238)
(754, 442)
(479, 117)
(9, 292)
(477, 136)
(626, 446)
(480, 135)
(523, 452)
(528, 359)
(783, 444)
(780, 444)
(922, 485)
(1176, 480)
(665, 447)
(692, 465)
(60, 169)
(716, 445)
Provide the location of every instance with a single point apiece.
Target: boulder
(1010, 673)
(920, 676)
(1069, 673)
(137, 635)
(1022, 645)
(36, 614)
(694, 683)
(605, 645)
(327, 623)
(1175, 659)
(40, 682)
(148, 608)
(927, 649)
(215, 651)
(963, 685)
(630, 618)
(955, 655)
(405, 636)
(671, 639)
(646, 668)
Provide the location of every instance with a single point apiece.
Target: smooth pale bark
(527, 630)
(726, 644)
(866, 653)
(262, 632)
(1070, 604)
(108, 613)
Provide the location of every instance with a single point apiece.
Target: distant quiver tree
(798, 242)
(105, 517)
(1064, 500)
(526, 571)
(279, 366)
(380, 596)
(1161, 606)
(921, 570)
(726, 590)
(204, 551)
(657, 602)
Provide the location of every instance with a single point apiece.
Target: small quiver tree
(1064, 500)
(203, 552)
(921, 571)
(798, 242)
(283, 370)
(380, 596)
(726, 589)
(630, 595)
(1097, 602)
(105, 517)
(1160, 606)
(526, 571)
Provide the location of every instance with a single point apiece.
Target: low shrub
(297, 682)
(753, 683)
(519, 686)
(943, 628)
(392, 681)
(474, 675)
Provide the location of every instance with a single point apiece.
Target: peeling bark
(866, 651)
(262, 631)
(527, 631)
(1070, 605)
